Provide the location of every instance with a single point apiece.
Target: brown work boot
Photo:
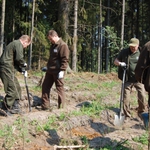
(45, 108)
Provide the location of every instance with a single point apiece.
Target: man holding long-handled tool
(129, 57)
(10, 62)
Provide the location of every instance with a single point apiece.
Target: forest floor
(70, 131)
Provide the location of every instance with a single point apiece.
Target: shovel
(119, 119)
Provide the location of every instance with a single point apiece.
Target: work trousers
(11, 86)
(140, 97)
(50, 79)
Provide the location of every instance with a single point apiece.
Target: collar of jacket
(59, 41)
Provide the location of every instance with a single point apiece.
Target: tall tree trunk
(122, 23)
(100, 39)
(32, 29)
(74, 54)
(62, 25)
(13, 22)
(107, 54)
(2, 27)
(137, 20)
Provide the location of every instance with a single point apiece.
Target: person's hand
(60, 74)
(25, 73)
(25, 65)
(122, 64)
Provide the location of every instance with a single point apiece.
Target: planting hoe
(27, 92)
(119, 119)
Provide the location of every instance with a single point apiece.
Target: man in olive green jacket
(129, 58)
(10, 62)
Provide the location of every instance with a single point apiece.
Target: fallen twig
(70, 147)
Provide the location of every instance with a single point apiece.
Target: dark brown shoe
(45, 108)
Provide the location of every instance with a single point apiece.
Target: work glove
(25, 73)
(60, 74)
(122, 64)
(25, 65)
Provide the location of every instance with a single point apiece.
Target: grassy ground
(92, 100)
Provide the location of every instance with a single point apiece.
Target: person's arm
(64, 57)
(19, 62)
(119, 63)
(19, 58)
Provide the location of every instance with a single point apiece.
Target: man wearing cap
(128, 58)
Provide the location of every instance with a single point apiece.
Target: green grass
(3, 131)
(75, 113)
(143, 139)
(109, 84)
(62, 117)
(50, 124)
(15, 132)
(91, 109)
(36, 88)
(37, 73)
(87, 85)
(101, 94)
(103, 91)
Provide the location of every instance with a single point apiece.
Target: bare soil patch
(99, 132)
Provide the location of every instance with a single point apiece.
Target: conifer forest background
(95, 30)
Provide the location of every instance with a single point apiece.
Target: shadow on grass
(104, 141)
(98, 143)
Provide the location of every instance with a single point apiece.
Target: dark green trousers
(11, 86)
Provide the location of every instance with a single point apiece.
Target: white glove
(60, 74)
(25, 64)
(122, 64)
(26, 74)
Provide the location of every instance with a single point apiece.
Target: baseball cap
(134, 42)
